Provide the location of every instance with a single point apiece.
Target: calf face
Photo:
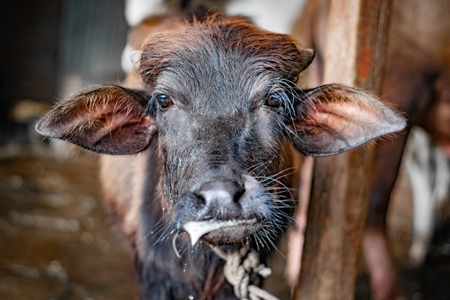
(219, 103)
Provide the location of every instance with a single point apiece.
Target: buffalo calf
(198, 156)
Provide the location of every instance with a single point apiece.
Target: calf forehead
(216, 83)
(219, 57)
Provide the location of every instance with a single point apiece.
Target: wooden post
(356, 37)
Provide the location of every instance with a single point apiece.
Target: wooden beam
(354, 54)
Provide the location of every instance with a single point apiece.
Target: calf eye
(163, 100)
(274, 100)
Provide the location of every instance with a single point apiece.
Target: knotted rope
(241, 269)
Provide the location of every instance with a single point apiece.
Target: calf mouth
(221, 232)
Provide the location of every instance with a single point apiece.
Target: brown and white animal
(197, 152)
(429, 174)
(417, 80)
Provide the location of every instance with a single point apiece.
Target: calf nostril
(238, 194)
(200, 199)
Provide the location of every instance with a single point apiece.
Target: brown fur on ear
(335, 118)
(109, 119)
(215, 33)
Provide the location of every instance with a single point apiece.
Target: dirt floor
(57, 242)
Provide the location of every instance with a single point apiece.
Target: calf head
(220, 100)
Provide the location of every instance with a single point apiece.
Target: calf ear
(110, 119)
(334, 118)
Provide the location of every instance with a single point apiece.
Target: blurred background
(56, 238)
(50, 49)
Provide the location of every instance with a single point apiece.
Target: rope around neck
(238, 270)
